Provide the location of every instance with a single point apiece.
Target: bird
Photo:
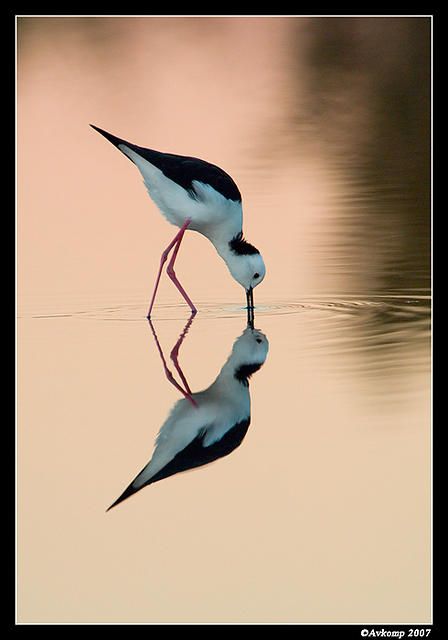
(211, 423)
(199, 196)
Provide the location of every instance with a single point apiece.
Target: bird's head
(247, 269)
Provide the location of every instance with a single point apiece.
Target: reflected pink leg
(176, 241)
(175, 353)
(168, 373)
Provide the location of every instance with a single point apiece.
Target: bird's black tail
(126, 494)
(109, 136)
(155, 157)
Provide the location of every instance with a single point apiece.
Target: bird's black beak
(250, 307)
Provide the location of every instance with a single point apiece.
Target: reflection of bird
(196, 195)
(214, 424)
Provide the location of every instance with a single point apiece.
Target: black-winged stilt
(209, 424)
(196, 195)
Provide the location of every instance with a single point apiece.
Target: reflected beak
(250, 298)
(250, 307)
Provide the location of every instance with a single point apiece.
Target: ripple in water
(383, 308)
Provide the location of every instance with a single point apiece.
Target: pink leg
(176, 241)
(172, 275)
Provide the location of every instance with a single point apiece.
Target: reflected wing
(195, 454)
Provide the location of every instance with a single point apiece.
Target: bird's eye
(259, 340)
(256, 275)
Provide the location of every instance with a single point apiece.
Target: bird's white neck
(222, 246)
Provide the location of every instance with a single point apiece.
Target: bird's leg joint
(170, 271)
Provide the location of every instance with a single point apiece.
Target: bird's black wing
(183, 169)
